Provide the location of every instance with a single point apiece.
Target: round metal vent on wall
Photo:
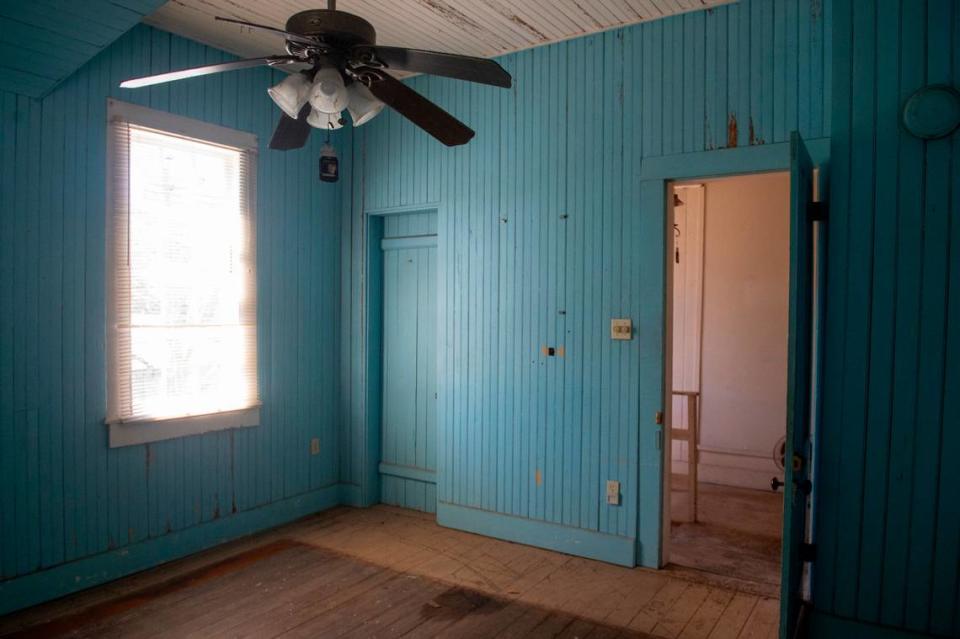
(932, 112)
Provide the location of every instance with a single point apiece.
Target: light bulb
(328, 94)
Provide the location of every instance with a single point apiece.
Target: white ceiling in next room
(483, 28)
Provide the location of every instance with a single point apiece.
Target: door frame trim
(656, 175)
(727, 162)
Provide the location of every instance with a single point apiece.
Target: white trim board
(179, 125)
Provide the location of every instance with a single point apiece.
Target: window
(182, 333)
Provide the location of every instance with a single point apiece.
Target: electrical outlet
(621, 328)
(613, 492)
(315, 446)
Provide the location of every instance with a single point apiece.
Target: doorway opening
(729, 303)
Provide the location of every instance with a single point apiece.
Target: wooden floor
(737, 533)
(387, 572)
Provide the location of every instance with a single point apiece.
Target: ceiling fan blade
(416, 108)
(291, 134)
(145, 81)
(296, 37)
(460, 67)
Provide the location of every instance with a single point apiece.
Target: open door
(800, 361)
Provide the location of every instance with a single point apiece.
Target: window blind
(182, 336)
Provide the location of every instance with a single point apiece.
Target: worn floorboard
(736, 536)
(388, 572)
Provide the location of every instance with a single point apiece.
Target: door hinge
(798, 462)
(808, 552)
(819, 211)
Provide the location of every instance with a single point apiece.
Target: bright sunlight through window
(184, 283)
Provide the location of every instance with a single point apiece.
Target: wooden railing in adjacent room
(690, 435)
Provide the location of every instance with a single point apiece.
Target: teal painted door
(409, 427)
(800, 368)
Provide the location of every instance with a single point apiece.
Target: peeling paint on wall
(732, 131)
(754, 138)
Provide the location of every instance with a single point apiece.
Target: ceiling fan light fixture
(328, 94)
(291, 93)
(339, 47)
(363, 106)
(326, 121)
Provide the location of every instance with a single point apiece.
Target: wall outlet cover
(621, 328)
(613, 492)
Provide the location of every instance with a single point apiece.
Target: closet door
(409, 426)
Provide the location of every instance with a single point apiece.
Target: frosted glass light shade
(364, 106)
(328, 94)
(291, 93)
(325, 121)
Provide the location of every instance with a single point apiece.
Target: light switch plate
(621, 328)
(315, 446)
(613, 492)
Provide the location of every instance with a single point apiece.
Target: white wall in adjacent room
(743, 356)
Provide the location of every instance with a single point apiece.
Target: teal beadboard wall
(64, 495)
(542, 241)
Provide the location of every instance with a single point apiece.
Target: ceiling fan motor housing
(337, 28)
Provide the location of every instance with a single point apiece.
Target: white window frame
(127, 433)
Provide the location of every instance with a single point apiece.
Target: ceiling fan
(347, 70)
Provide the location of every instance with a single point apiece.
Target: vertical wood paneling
(889, 541)
(543, 238)
(945, 585)
(65, 494)
(513, 274)
(883, 310)
(859, 263)
(42, 43)
(409, 423)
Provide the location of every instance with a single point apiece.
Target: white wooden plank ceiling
(484, 28)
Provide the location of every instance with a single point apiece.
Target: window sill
(145, 432)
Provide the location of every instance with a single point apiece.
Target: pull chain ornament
(329, 165)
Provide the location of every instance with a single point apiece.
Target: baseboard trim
(68, 578)
(754, 479)
(823, 625)
(409, 472)
(613, 549)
